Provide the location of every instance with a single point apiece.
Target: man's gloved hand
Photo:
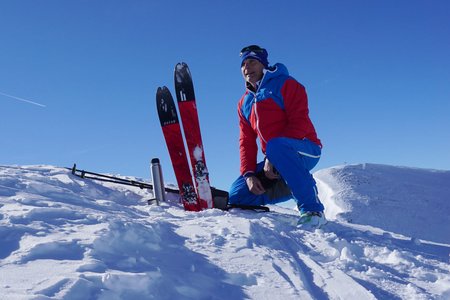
(254, 185)
(270, 171)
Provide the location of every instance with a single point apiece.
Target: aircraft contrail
(21, 99)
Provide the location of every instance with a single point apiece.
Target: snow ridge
(403, 200)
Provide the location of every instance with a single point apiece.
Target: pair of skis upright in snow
(198, 197)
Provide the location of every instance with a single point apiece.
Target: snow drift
(409, 201)
(62, 237)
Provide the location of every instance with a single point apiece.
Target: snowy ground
(62, 237)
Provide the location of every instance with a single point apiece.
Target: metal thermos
(158, 182)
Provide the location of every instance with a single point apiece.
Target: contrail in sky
(21, 99)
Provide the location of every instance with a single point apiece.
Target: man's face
(252, 70)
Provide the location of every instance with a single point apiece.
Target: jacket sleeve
(248, 147)
(296, 107)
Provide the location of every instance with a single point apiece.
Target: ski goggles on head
(252, 48)
(256, 52)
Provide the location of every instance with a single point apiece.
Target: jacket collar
(274, 71)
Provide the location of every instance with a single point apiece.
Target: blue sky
(377, 74)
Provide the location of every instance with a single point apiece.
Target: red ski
(188, 111)
(172, 133)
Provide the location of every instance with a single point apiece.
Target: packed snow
(63, 237)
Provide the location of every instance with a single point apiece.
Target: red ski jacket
(279, 108)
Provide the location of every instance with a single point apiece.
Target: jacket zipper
(256, 110)
(257, 124)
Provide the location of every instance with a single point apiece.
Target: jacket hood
(274, 71)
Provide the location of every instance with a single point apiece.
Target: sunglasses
(252, 48)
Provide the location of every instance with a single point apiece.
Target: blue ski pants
(293, 159)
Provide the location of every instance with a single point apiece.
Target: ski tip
(164, 93)
(182, 72)
(161, 89)
(181, 65)
(158, 91)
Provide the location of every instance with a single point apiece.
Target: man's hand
(269, 170)
(254, 185)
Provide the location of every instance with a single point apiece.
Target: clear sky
(78, 78)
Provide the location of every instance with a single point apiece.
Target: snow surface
(63, 237)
